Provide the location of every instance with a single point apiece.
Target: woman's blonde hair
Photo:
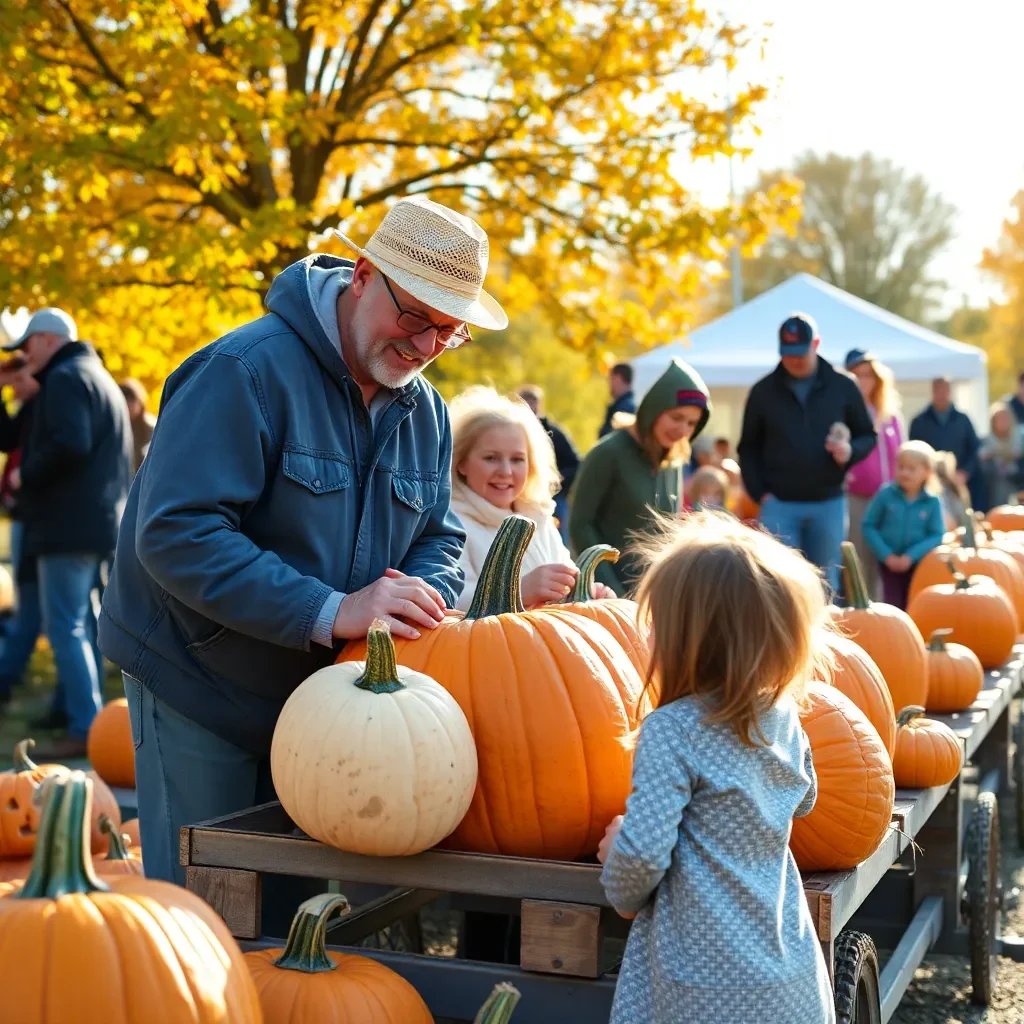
(885, 399)
(478, 409)
(737, 619)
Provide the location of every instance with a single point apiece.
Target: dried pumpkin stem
(381, 672)
(498, 588)
(908, 714)
(62, 863)
(499, 1006)
(117, 850)
(22, 762)
(306, 948)
(853, 575)
(938, 639)
(587, 564)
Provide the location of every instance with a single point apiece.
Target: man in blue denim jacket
(297, 487)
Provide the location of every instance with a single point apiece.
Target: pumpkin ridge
(581, 741)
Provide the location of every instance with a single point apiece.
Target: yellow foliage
(181, 153)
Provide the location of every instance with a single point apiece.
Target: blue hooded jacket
(268, 491)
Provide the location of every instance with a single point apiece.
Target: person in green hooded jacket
(636, 469)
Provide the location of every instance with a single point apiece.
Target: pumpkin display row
(134, 945)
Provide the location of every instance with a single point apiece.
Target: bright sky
(934, 85)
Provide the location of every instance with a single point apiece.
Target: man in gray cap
(75, 474)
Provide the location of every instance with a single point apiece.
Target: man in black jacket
(804, 426)
(75, 474)
(566, 457)
(947, 429)
(620, 385)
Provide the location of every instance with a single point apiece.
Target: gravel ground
(941, 990)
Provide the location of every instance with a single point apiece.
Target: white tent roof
(742, 346)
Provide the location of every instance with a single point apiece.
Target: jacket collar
(70, 350)
(821, 374)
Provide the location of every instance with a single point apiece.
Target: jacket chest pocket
(413, 493)
(316, 471)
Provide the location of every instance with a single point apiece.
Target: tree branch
(359, 42)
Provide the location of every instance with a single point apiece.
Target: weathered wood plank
(560, 938)
(235, 895)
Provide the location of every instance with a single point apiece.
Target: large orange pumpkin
(19, 816)
(110, 748)
(617, 615)
(928, 753)
(551, 699)
(978, 613)
(858, 677)
(1006, 517)
(118, 860)
(888, 634)
(76, 947)
(955, 675)
(304, 982)
(855, 785)
(971, 560)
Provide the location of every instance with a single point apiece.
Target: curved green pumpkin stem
(497, 590)
(62, 862)
(938, 639)
(22, 762)
(117, 850)
(970, 537)
(381, 672)
(499, 1006)
(908, 714)
(587, 564)
(853, 576)
(306, 948)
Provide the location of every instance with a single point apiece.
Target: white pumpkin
(374, 758)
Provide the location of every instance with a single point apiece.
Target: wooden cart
(908, 899)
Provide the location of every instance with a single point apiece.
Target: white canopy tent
(739, 348)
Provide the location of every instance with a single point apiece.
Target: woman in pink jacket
(865, 479)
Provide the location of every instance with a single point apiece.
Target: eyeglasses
(413, 323)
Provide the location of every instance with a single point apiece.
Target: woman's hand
(602, 592)
(609, 837)
(548, 583)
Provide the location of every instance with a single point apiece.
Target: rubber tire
(983, 884)
(855, 980)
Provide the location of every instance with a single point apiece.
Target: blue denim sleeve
(207, 466)
(323, 628)
(434, 555)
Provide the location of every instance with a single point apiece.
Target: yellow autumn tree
(1003, 337)
(164, 159)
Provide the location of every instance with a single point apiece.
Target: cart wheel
(983, 890)
(1018, 776)
(855, 980)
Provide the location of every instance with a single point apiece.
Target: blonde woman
(503, 463)
(867, 477)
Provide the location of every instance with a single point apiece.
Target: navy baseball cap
(796, 335)
(856, 356)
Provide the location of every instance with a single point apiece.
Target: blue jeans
(817, 528)
(66, 583)
(23, 629)
(185, 774)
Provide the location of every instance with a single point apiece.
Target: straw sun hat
(438, 256)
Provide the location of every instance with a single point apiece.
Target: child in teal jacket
(904, 520)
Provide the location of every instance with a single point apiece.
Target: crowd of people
(73, 445)
(303, 479)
